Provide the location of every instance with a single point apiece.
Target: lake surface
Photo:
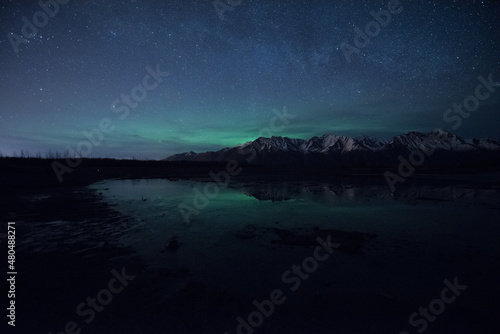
(425, 235)
(248, 259)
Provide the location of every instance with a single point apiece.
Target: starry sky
(225, 73)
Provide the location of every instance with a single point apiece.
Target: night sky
(226, 76)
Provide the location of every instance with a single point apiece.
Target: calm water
(425, 234)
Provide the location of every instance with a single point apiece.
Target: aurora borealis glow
(226, 76)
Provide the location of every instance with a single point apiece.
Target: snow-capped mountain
(439, 147)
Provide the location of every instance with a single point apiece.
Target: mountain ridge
(360, 151)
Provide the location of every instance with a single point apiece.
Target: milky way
(226, 69)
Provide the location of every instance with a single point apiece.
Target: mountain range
(438, 148)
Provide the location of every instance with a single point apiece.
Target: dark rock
(168, 273)
(172, 244)
(348, 242)
(245, 234)
(182, 272)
